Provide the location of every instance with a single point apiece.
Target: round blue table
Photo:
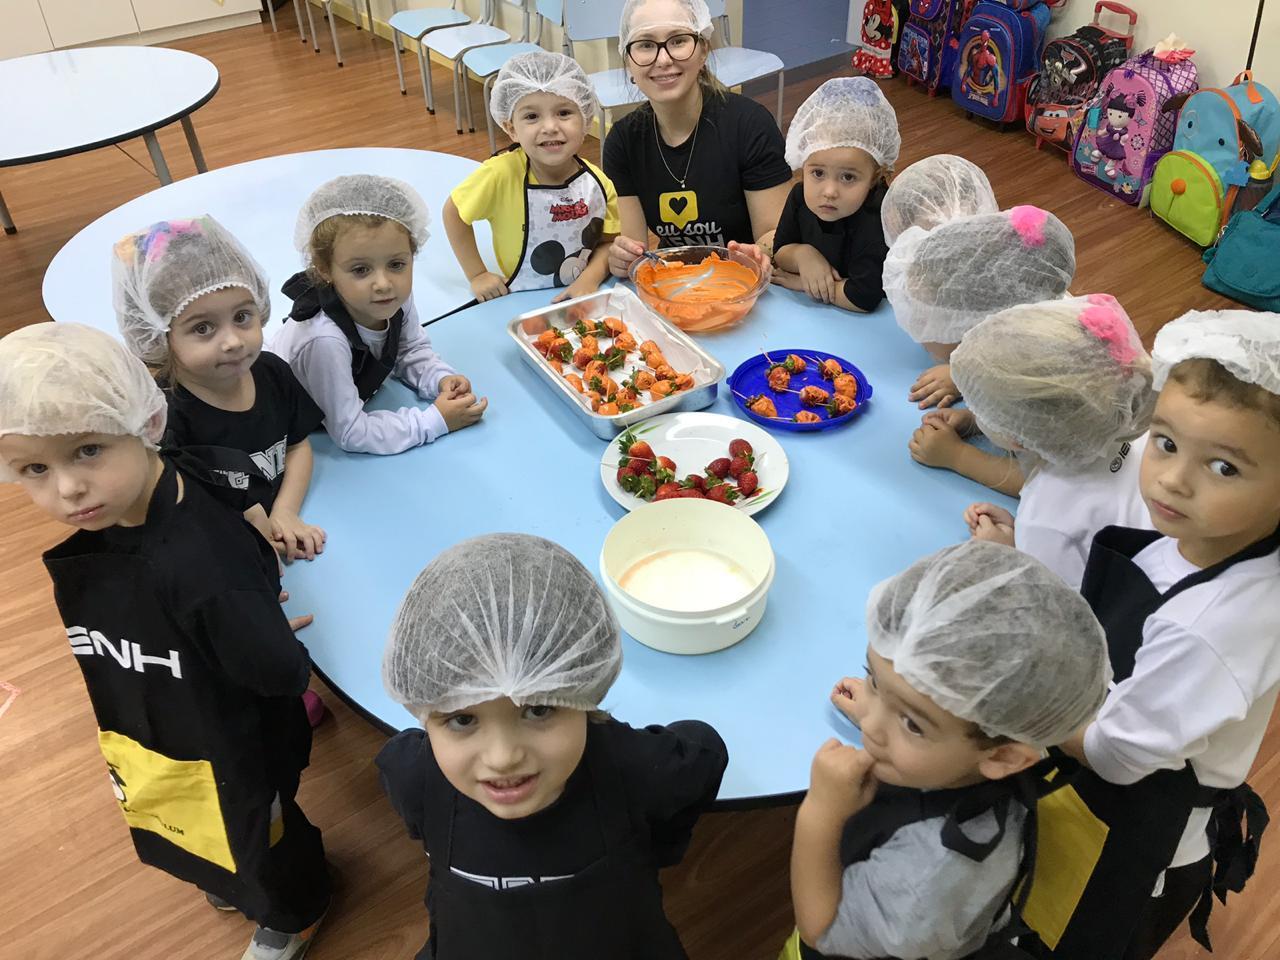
(857, 509)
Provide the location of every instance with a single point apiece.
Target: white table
(70, 101)
(259, 201)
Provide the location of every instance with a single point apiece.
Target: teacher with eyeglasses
(696, 164)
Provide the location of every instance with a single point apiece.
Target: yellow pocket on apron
(178, 799)
(791, 949)
(1069, 842)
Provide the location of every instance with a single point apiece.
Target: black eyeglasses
(680, 47)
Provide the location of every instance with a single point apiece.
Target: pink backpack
(1123, 131)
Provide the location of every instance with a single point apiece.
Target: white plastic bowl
(687, 525)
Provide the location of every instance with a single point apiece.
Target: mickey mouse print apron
(562, 225)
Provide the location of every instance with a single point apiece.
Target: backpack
(998, 57)
(929, 41)
(1123, 131)
(1071, 71)
(882, 22)
(1242, 265)
(1221, 132)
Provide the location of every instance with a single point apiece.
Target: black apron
(1138, 827)
(367, 371)
(611, 910)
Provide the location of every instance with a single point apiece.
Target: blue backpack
(927, 50)
(999, 56)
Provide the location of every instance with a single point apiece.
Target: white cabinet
(84, 21)
(24, 30)
(156, 14)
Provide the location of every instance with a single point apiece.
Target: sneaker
(274, 945)
(218, 903)
(314, 706)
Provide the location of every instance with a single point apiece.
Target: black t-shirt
(738, 148)
(854, 246)
(282, 415)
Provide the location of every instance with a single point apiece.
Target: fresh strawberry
(640, 450)
(722, 493)
(695, 480)
(641, 485)
(719, 468)
(748, 483)
(623, 473)
(738, 466)
(692, 493)
(667, 491)
(740, 448)
(666, 463)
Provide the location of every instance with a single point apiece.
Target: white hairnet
(503, 615)
(1063, 378)
(993, 636)
(644, 14)
(65, 378)
(367, 194)
(1246, 343)
(845, 112)
(158, 272)
(934, 191)
(541, 72)
(941, 282)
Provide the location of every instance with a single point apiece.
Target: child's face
(217, 338)
(372, 271)
(914, 742)
(1211, 474)
(513, 761)
(90, 481)
(837, 181)
(549, 128)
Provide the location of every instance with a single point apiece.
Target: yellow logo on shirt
(679, 207)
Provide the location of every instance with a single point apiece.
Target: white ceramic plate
(693, 440)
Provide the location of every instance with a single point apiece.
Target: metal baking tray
(618, 301)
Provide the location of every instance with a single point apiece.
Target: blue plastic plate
(752, 377)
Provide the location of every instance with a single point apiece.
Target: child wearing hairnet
(353, 322)
(943, 279)
(934, 191)
(1065, 386)
(191, 301)
(553, 214)
(1192, 615)
(545, 821)
(171, 604)
(978, 657)
(830, 241)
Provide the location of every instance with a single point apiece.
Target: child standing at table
(978, 657)
(830, 241)
(545, 820)
(943, 280)
(171, 605)
(934, 191)
(191, 302)
(353, 322)
(1066, 386)
(553, 214)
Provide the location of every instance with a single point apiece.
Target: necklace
(692, 147)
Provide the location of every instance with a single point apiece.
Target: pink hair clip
(1106, 320)
(1029, 222)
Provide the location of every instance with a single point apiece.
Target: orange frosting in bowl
(711, 280)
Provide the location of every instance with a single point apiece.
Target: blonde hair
(325, 236)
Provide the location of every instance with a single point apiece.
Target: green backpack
(1245, 265)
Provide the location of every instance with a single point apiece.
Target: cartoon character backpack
(999, 55)
(1071, 70)
(882, 22)
(930, 41)
(1124, 130)
(1221, 133)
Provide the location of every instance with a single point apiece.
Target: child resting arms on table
(1065, 387)
(546, 821)
(978, 657)
(191, 302)
(553, 214)
(353, 322)
(830, 242)
(943, 280)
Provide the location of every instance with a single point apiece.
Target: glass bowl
(698, 300)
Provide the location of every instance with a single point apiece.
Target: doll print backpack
(1221, 134)
(998, 57)
(930, 40)
(1125, 129)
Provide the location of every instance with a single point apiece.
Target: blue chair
(587, 20)
(451, 44)
(734, 66)
(417, 24)
(333, 27)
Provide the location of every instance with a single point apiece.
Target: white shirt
(321, 359)
(1060, 510)
(1203, 684)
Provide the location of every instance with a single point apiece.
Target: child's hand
(579, 288)
(756, 253)
(818, 278)
(622, 253)
(787, 279)
(958, 418)
(460, 411)
(975, 511)
(935, 387)
(297, 623)
(935, 445)
(995, 527)
(847, 698)
(299, 539)
(454, 385)
(840, 780)
(488, 286)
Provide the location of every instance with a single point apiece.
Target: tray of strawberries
(706, 456)
(800, 390)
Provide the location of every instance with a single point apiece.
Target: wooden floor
(71, 885)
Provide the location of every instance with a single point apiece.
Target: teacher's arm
(632, 241)
(765, 207)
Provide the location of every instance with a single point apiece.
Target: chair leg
(271, 12)
(297, 12)
(424, 69)
(6, 221)
(311, 23)
(781, 81)
(395, 47)
(333, 30)
(488, 117)
(368, 9)
(355, 12)
(466, 96)
(457, 101)
(600, 116)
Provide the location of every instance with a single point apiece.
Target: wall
(773, 26)
(1218, 30)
